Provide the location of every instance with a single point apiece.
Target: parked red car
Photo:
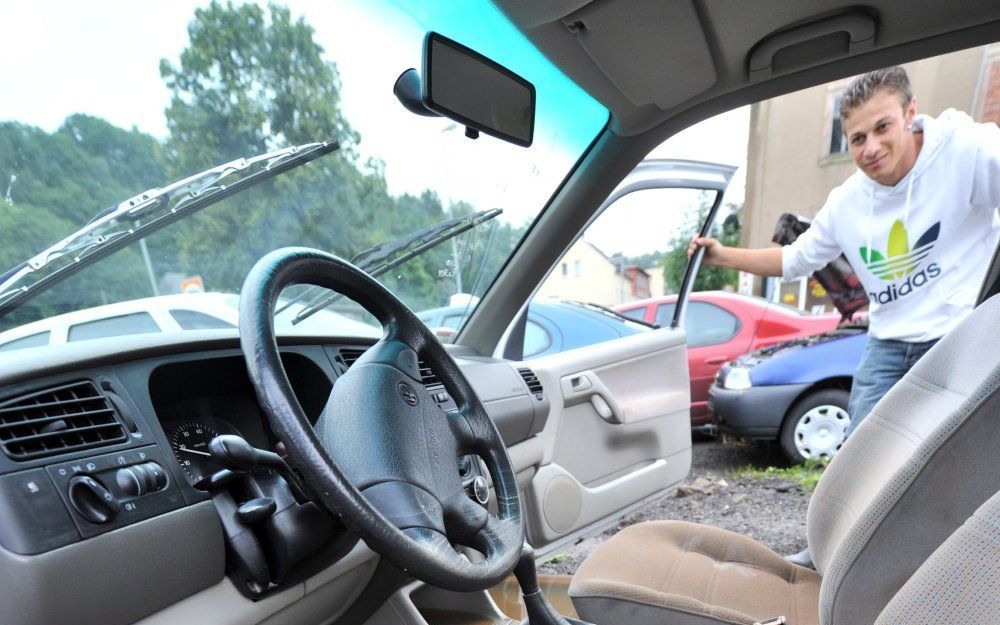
(722, 326)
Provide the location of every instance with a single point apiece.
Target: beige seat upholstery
(704, 574)
(960, 583)
(908, 477)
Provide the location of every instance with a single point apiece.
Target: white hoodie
(932, 235)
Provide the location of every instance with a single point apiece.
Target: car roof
(704, 296)
(211, 303)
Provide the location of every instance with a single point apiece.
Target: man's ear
(911, 111)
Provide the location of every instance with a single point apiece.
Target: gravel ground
(770, 511)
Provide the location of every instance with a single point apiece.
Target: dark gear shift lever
(540, 611)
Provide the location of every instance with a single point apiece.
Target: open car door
(618, 431)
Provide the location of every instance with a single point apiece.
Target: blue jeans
(882, 365)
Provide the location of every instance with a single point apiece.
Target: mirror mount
(408, 91)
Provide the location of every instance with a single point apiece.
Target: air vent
(427, 376)
(58, 420)
(534, 384)
(349, 356)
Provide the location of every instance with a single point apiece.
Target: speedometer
(189, 441)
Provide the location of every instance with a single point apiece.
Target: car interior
(404, 481)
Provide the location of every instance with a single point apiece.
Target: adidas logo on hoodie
(900, 261)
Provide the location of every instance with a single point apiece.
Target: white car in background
(168, 313)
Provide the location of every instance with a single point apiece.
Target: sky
(104, 66)
(720, 139)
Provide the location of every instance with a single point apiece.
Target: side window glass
(665, 314)
(136, 323)
(453, 321)
(707, 324)
(536, 339)
(639, 314)
(624, 256)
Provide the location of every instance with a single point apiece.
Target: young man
(917, 222)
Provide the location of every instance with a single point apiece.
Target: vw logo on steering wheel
(407, 393)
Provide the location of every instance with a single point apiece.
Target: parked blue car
(794, 392)
(553, 326)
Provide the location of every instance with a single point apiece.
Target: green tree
(253, 80)
(647, 260)
(250, 80)
(726, 230)
(54, 183)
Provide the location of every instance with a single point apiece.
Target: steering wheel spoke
(472, 525)
(465, 518)
(431, 540)
(406, 505)
(465, 437)
(498, 531)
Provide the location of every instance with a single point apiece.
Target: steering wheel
(383, 456)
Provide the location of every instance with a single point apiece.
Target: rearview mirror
(463, 85)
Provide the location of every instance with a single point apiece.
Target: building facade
(586, 274)
(797, 152)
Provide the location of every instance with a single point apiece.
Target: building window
(838, 142)
(988, 87)
(565, 269)
(577, 268)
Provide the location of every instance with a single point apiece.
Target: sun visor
(654, 52)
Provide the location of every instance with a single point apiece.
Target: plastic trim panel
(118, 577)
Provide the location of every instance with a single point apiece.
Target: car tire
(815, 426)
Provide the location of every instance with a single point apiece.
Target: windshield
(118, 113)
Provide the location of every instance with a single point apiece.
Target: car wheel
(816, 426)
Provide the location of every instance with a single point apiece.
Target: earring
(909, 128)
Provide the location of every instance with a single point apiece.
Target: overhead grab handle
(859, 27)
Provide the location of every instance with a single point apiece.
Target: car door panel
(597, 461)
(618, 431)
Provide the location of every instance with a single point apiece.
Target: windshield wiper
(374, 259)
(616, 314)
(144, 214)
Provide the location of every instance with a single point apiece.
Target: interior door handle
(586, 386)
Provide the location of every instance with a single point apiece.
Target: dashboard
(109, 487)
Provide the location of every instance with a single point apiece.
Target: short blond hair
(865, 86)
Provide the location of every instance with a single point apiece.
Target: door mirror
(463, 85)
